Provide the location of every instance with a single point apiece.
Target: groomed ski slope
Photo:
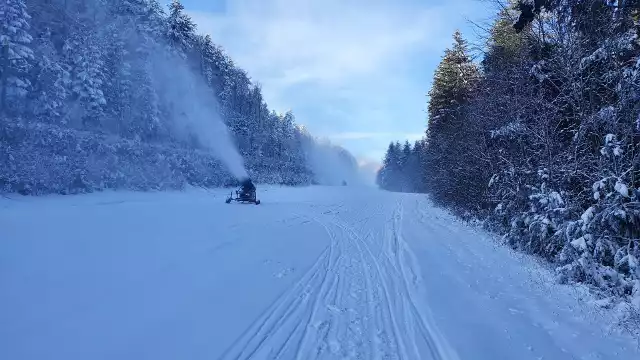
(311, 273)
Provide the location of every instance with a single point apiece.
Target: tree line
(401, 167)
(88, 101)
(540, 138)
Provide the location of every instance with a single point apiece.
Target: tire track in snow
(277, 327)
(410, 280)
(342, 313)
(354, 302)
(371, 317)
(392, 322)
(387, 287)
(408, 304)
(396, 279)
(385, 293)
(377, 316)
(308, 341)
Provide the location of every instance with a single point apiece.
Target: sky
(356, 72)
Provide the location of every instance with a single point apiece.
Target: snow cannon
(245, 194)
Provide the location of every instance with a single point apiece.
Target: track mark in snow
(395, 299)
(359, 300)
(277, 332)
(283, 273)
(357, 291)
(401, 258)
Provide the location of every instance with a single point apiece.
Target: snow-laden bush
(533, 230)
(549, 94)
(40, 159)
(505, 189)
(602, 248)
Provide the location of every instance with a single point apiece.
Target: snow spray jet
(193, 109)
(188, 100)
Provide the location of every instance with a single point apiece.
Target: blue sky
(353, 71)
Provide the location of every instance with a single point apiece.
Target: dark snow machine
(245, 194)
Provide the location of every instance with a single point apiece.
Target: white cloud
(328, 43)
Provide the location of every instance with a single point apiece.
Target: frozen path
(311, 273)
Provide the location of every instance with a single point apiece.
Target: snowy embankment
(318, 272)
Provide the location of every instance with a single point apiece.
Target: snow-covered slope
(319, 272)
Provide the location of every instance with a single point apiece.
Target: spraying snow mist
(333, 165)
(194, 113)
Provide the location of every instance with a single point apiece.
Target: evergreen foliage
(542, 141)
(85, 105)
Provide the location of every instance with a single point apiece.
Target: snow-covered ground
(319, 272)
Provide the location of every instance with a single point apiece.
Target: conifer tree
(453, 84)
(90, 83)
(181, 29)
(15, 54)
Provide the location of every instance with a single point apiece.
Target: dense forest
(98, 94)
(540, 139)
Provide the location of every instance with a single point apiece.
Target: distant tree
(389, 176)
(412, 170)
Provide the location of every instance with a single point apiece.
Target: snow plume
(368, 170)
(194, 114)
(332, 165)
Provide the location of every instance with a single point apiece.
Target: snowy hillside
(317, 272)
(129, 94)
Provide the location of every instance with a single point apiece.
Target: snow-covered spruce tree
(449, 130)
(405, 158)
(221, 67)
(386, 176)
(285, 153)
(133, 99)
(118, 83)
(259, 113)
(148, 20)
(180, 29)
(397, 166)
(15, 55)
(300, 171)
(415, 167)
(207, 54)
(402, 167)
(85, 59)
(51, 82)
(412, 169)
